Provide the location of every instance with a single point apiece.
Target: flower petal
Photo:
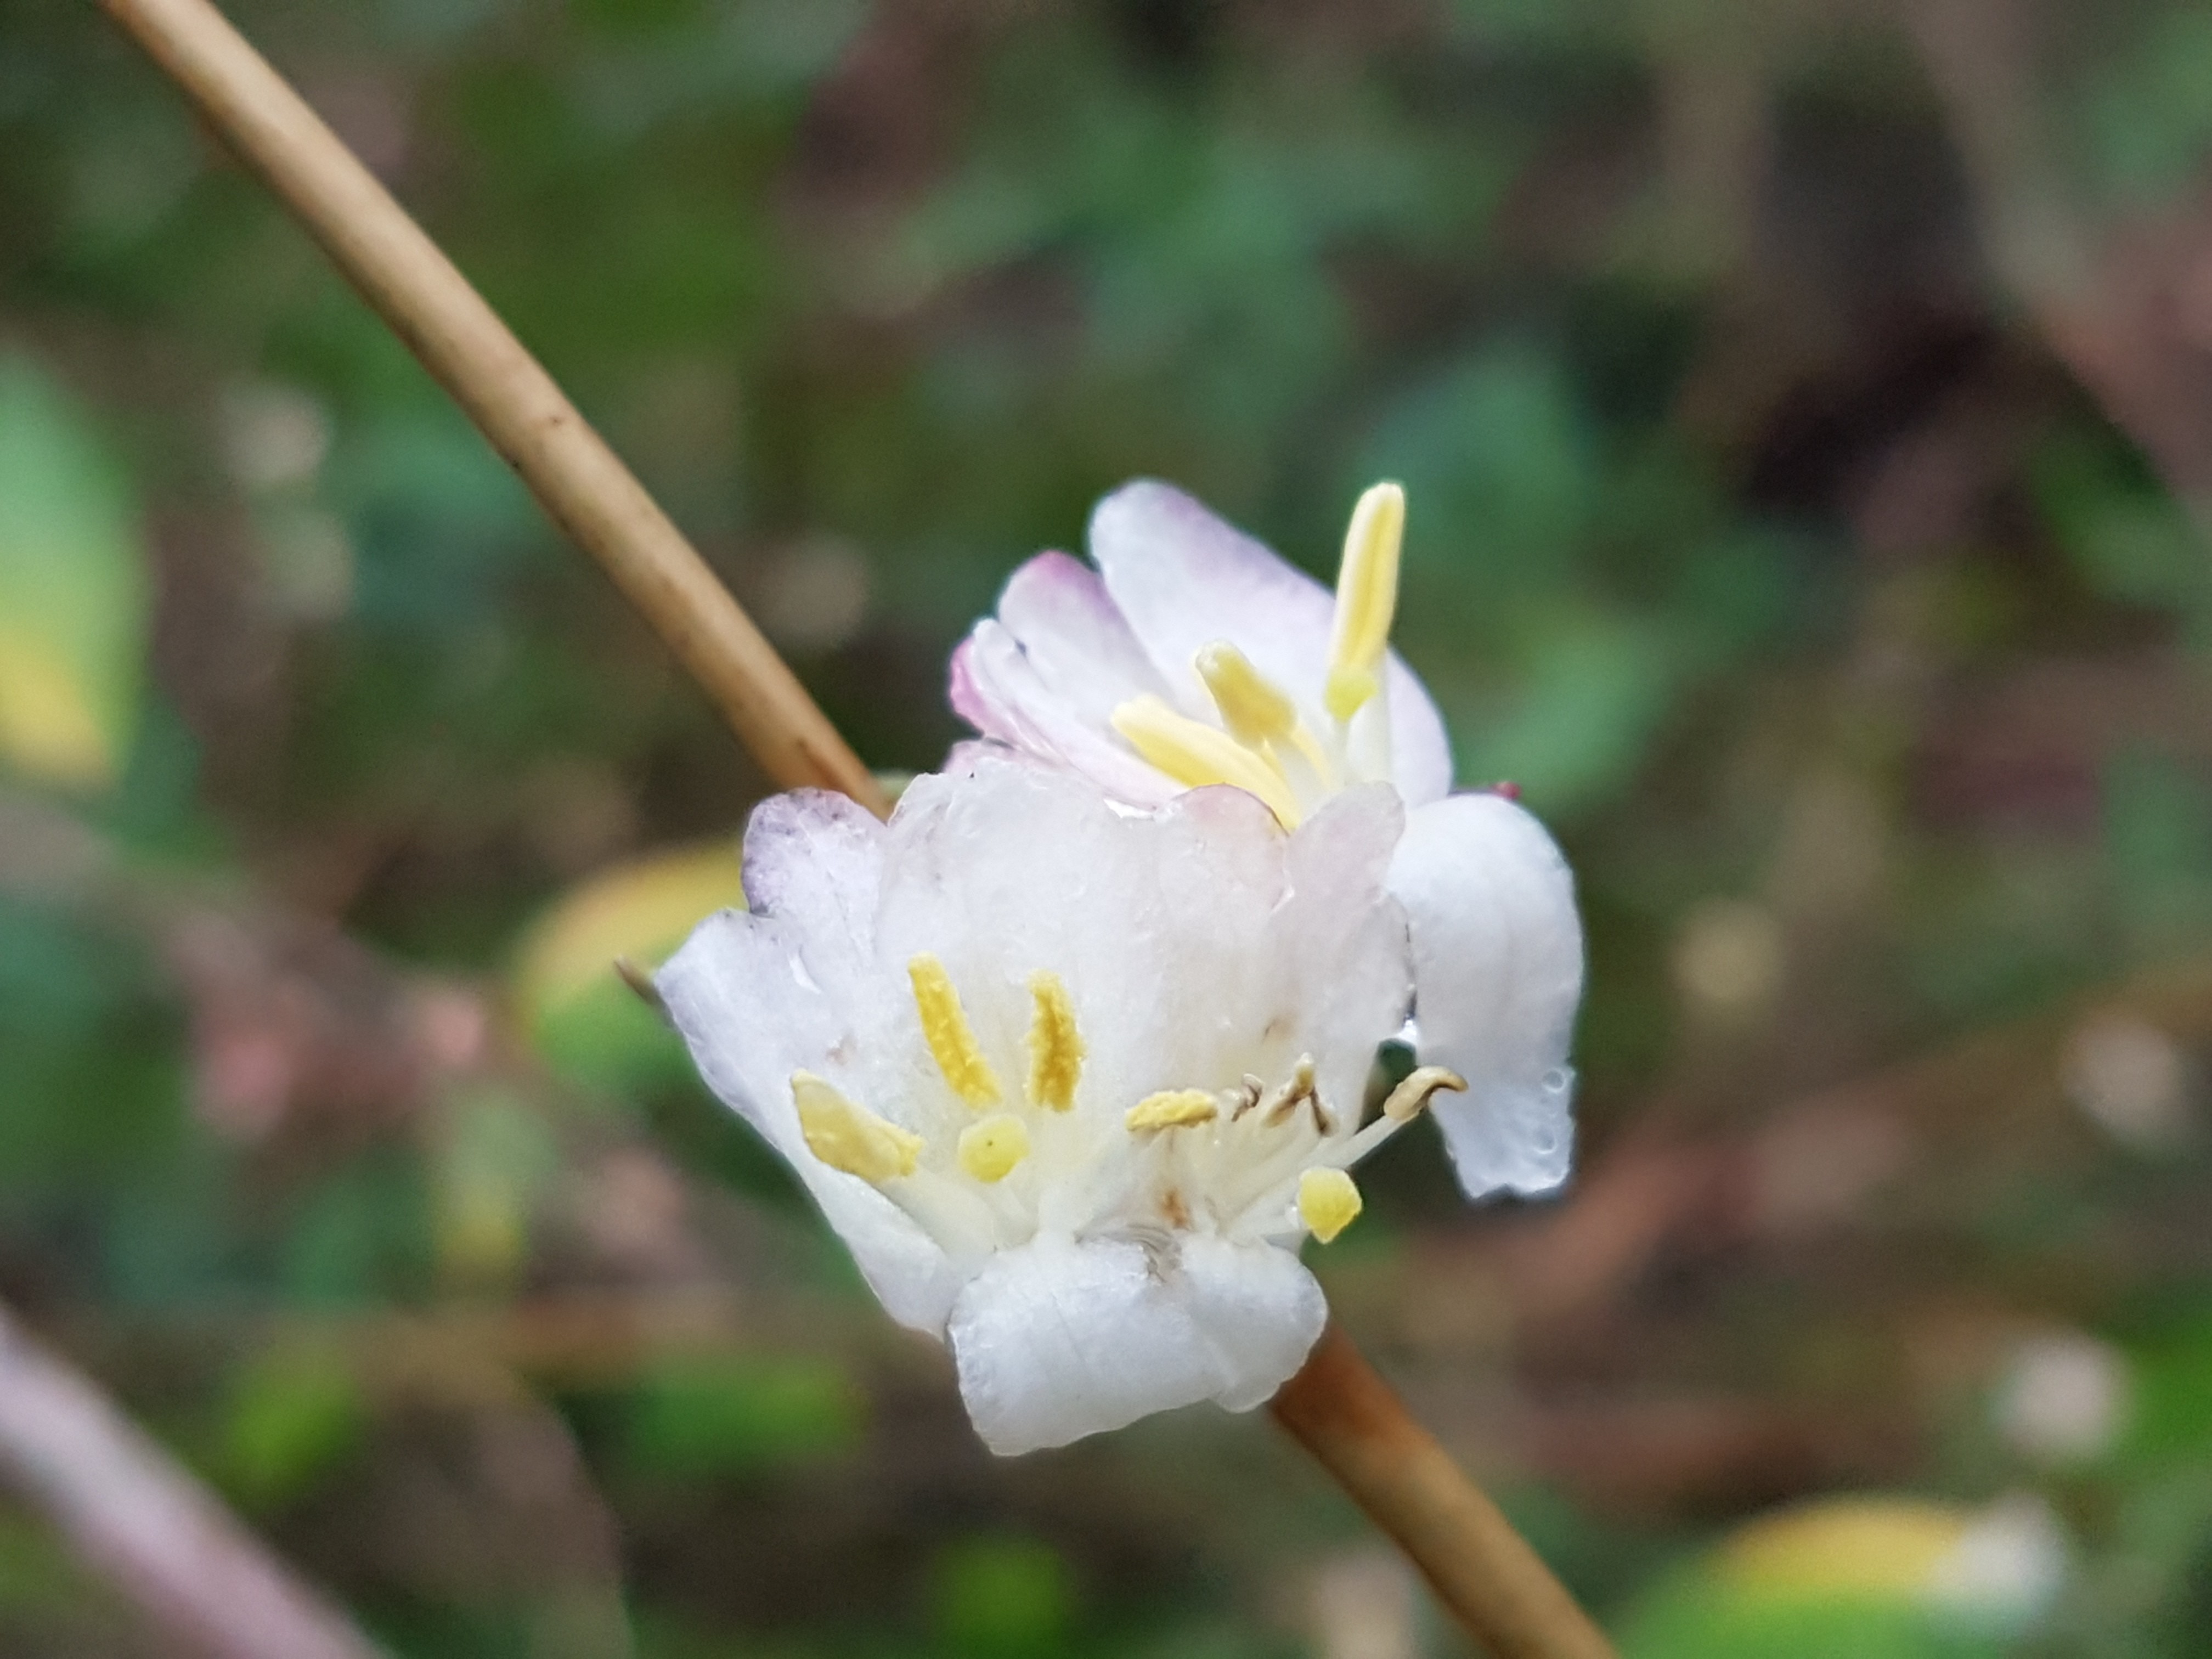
(813, 858)
(1498, 971)
(1076, 637)
(1015, 868)
(752, 1014)
(1183, 578)
(996, 687)
(1338, 943)
(1063, 1338)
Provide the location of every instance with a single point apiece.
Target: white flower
(1072, 1082)
(1193, 655)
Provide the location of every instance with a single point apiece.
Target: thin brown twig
(1338, 1406)
(156, 1532)
(1340, 1409)
(580, 482)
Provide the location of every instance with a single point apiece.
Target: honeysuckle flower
(1192, 655)
(1073, 1082)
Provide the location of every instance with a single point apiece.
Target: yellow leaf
(1878, 1547)
(641, 909)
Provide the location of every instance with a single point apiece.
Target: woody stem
(1340, 1409)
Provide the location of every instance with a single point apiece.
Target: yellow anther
(951, 1040)
(1055, 1046)
(1172, 1109)
(1328, 1202)
(1195, 754)
(1366, 599)
(1252, 706)
(1406, 1101)
(990, 1150)
(848, 1137)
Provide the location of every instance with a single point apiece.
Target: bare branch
(137, 1518)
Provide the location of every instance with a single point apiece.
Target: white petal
(1150, 921)
(813, 858)
(1498, 970)
(1184, 579)
(1060, 1339)
(1339, 945)
(751, 1015)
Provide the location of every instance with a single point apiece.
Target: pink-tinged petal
(997, 689)
(1183, 578)
(752, 1012)
(1061, 1338)
(1076, 638)
(1497, 972)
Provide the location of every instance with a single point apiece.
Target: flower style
(1193, 655)
(1073, 1082)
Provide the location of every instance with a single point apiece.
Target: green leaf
(73, 589)
(735, 1416)
(995, 1595)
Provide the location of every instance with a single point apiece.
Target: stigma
(1258, 738)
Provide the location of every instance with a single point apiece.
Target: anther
(1328, 1202)
(1056, 1048)
(1406, 1101)
(1172, 1108)
(951, 1040)
(1195, 754)
(990, 1150)
(1252, 706)
(850, 1138)
(1366, 599)
(1298, 1088)
(1248, 1094)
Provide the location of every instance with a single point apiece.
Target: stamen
(951, 1040)
(1406, 1101)
(1248, 1095)
(1195, 754)
(848, 1137)
(1056, 1048)
(990, 1150)
(1172, 1108)
(1252, 707)
(1298, 1088)
(1400, 1107)
(1366, 599)
(1328, 1202)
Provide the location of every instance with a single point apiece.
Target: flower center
(1263, 744)
(1247, 1161)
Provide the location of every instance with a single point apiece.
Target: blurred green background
(1806, 413)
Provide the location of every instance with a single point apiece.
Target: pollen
(1172, 1109)
(1195, 754)
(1056, 1048)
(1252, 706)
(1328, 1202)
(951, 1040)
(1366, 599)
(990, 1150)
(850, 1138)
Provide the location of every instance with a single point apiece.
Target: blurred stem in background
(138, 1517)
(1338, 1407)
